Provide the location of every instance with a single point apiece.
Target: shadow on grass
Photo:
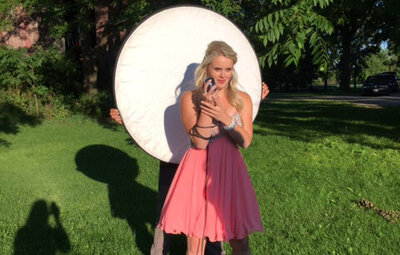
(128, 199)
(38, 236)
(11, 116)
(310, 120)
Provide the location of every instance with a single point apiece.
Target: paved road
(369, 101)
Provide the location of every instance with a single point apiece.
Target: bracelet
(204, 127)
(231, 126)
(193, 131)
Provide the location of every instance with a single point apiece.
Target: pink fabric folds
(219, 203)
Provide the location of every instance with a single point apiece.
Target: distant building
(24, 32)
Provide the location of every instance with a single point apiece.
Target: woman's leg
(195, 245)
(240, 246)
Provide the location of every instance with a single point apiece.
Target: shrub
(47, 83)
(17, 70)
(95, 105)
(41, 82)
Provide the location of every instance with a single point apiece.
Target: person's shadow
(37, 236)
(129, 199)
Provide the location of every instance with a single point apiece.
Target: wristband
(231, 126)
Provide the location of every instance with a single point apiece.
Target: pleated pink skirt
(211, 195)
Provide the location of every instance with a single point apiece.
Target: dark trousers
(161, 240)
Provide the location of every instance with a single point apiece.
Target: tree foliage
(288, 37)
(380, 62)
(35, 80)
(392, 17)
(228, 8)
(292, 26)
(295, 40)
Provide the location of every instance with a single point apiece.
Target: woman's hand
(240, 134)
(265, 91)
(208, 95)
(115, 116)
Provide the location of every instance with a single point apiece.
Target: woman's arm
(242, 135)
(198, 127)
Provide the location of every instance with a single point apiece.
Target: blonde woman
(211, 195)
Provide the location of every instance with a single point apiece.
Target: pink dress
(211, 194)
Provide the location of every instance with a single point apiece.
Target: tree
(283, 26)
(360, 27)
(380, 62)
(283, 32)
(103, 25)
(392, 10)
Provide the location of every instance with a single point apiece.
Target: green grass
(318, 91)
(309, 163)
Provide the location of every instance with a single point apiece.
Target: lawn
(80, 187)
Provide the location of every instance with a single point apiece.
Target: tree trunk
(346, 61)
(88, 55)
(102, 47)
(108, 41)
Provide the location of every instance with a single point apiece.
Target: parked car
(380, 84)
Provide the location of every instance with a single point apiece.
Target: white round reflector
(156, 65)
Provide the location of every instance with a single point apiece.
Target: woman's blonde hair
(215, 49)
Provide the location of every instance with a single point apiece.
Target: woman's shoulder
(190, 97)
(244, 96)
(187, 95)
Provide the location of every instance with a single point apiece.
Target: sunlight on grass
(309, 162)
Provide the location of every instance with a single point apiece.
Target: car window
(370, 79)
(384, 79)
(387, 77)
